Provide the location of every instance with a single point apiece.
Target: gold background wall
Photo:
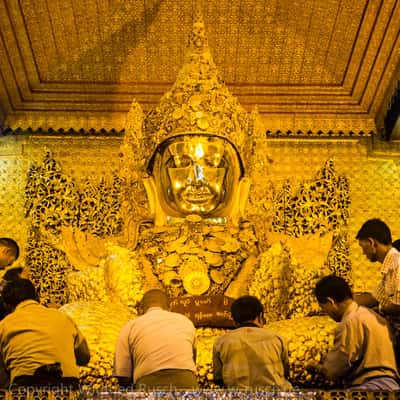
(371, 169)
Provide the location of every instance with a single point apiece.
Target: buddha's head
(196, 174)
(195, 143)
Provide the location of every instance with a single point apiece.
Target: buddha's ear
(238, 206)
(244, 189)
(156, 211)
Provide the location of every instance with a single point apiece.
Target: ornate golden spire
(198, 103)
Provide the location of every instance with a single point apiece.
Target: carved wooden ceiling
(306, 64)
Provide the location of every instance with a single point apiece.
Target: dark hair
(396, 244)
(12, 246)
(334, 287)
(12, 274)
(375, 229)
(154, 298)
(246, 308)
(15, 292)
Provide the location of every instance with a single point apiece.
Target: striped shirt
(251, 357)
(388, 289)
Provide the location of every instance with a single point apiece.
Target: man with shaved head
(156, 350)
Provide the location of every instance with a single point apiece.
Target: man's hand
(314, 367)
(387, 307)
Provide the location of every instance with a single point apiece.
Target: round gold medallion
(196, 283)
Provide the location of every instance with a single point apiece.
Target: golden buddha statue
(186, 187)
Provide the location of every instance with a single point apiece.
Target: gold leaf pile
(101, 332)
(284, 284)
(308, 340)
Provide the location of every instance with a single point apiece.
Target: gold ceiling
(307, 64)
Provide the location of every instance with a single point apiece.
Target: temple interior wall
(373, 178)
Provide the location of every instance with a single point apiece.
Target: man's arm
(4, 375)
(194, 352)
(217, 368)
(365, 299)
(81, 348)
(285, 358)
(335, 365)
(123, 359)
(82, 353)
(337, 362)
(389, 308)
(124, 381)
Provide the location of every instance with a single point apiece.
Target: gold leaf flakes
(172, 260)
(217, 276)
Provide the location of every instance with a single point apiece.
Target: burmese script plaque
(212, 311)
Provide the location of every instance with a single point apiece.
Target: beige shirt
(362, 347)
(157, 340)
(34, 335)
(251, 357)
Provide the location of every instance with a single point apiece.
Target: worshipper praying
(362, 357)
(39, 346)
(9, 253)
(375, 239)
(250, 356)
(157, 349)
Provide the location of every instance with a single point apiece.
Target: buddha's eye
(182, 161)
(215, 161)
(212, 161)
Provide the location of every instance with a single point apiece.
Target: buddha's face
(197, 174)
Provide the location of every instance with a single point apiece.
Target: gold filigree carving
(66, 225)
(319, 206)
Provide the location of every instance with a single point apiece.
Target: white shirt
(157, 340)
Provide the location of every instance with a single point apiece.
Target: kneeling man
(250, 356)
(362, 356)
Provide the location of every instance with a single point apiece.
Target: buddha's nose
(197, 174)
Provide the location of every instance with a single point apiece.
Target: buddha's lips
(197, 195)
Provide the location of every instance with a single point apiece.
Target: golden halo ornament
(196, 283)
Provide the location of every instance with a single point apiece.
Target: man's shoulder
(224, 337)
(179, 317)
(258, 332)
(271, 332)
(364, 315)
(392, 259)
